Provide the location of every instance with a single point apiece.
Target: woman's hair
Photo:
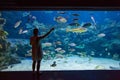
(35, 31)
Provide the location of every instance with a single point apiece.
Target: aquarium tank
(81, 39)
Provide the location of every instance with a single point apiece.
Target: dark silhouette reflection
(33, 77)
(37, 49)
(36, 76)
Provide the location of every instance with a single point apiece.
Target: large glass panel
(81, 40)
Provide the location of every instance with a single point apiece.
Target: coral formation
(3, 34)
(6, 57)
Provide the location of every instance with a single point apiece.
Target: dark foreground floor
(62, 75)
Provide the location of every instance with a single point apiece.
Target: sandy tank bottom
(69, 63)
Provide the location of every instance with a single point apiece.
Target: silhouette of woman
(37, 48)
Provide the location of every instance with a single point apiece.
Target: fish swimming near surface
(17, 24)
(77, 30)
(60, 19)
(93, 19)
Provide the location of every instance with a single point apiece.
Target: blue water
(101, 40)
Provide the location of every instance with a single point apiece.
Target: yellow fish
(77, 30)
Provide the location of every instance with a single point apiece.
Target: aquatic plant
(3, 34)
(6, 57)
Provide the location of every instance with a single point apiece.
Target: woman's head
(35, 31)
